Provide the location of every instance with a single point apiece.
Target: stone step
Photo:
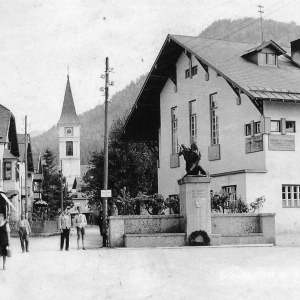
(154, 240)
(251, 238)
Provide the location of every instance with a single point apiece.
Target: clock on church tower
(69, 131)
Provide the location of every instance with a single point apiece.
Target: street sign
(105, 193)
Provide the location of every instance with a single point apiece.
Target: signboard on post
(282, 142)
(105, 193)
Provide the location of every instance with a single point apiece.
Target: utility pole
(61, 188)
(261, 25)
(105, 179)
(26, 171)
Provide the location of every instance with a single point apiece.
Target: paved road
(181, 273)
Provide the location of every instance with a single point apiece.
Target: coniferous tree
(51, 185)
(131, 166)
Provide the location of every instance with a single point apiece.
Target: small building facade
(240, 103)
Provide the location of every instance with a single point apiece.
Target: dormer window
(267, 59)
(265, 54)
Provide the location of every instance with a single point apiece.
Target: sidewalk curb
(196, 247)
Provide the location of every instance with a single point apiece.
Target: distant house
(30, 171)
(38, 178)
(240, 103)
(9, 167)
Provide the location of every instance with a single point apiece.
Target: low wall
(121, 225)
(46, 227)
(244, 228)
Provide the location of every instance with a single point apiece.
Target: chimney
(295, 51)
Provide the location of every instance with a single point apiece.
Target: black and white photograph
(149, 149)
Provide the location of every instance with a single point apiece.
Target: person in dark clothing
(4, 238)
(99, 222)
(192, 159)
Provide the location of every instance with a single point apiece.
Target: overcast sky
(39, 39)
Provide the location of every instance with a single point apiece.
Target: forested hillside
(92, 121)
(248, 30)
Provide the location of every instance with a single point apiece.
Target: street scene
(149, 273)
(149, 149)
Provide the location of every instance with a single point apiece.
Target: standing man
(24, 232)
(80, 223)
(64, 226)
(99, 221)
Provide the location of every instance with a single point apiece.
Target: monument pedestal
(195, 204)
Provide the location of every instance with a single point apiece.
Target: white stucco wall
(232, 118)
(282, 167)
(70, 164)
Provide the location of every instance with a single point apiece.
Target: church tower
(69, 138)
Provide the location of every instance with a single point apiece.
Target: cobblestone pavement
(151, 273)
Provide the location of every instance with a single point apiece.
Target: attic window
(194, 71)
(267, 59)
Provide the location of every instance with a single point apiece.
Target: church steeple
(68, 114)
(69, 138)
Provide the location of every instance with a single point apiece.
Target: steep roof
(5, 115)
(265, 44)
(8, 131)
(8, 155)
(68, 114)
(227, 58)
(21, 142)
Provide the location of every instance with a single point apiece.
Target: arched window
(69, 148)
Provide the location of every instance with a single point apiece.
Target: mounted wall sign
(281, 142)
(254, 144)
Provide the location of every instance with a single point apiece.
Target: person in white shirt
(64, 226)
(80, 223)
(24, 232)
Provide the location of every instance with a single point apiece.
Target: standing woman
(4, 238)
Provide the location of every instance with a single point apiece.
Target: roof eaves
(143, 87)
(214, 68)
(265, 44)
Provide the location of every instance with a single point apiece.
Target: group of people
(65, 227)
(24, 229)
(24, 232)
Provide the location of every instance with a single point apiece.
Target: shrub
(257, 203)
(173, 202)
(239, 206)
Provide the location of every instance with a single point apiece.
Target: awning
(41, 203)
(11, 193)
(2, 194)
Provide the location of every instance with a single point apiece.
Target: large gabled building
(240, 103)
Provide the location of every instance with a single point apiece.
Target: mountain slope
(248, 30)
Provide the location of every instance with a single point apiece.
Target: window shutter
(265, 125)
(283, 126)
(252, 128)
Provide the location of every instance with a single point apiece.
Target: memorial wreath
(201, 233)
